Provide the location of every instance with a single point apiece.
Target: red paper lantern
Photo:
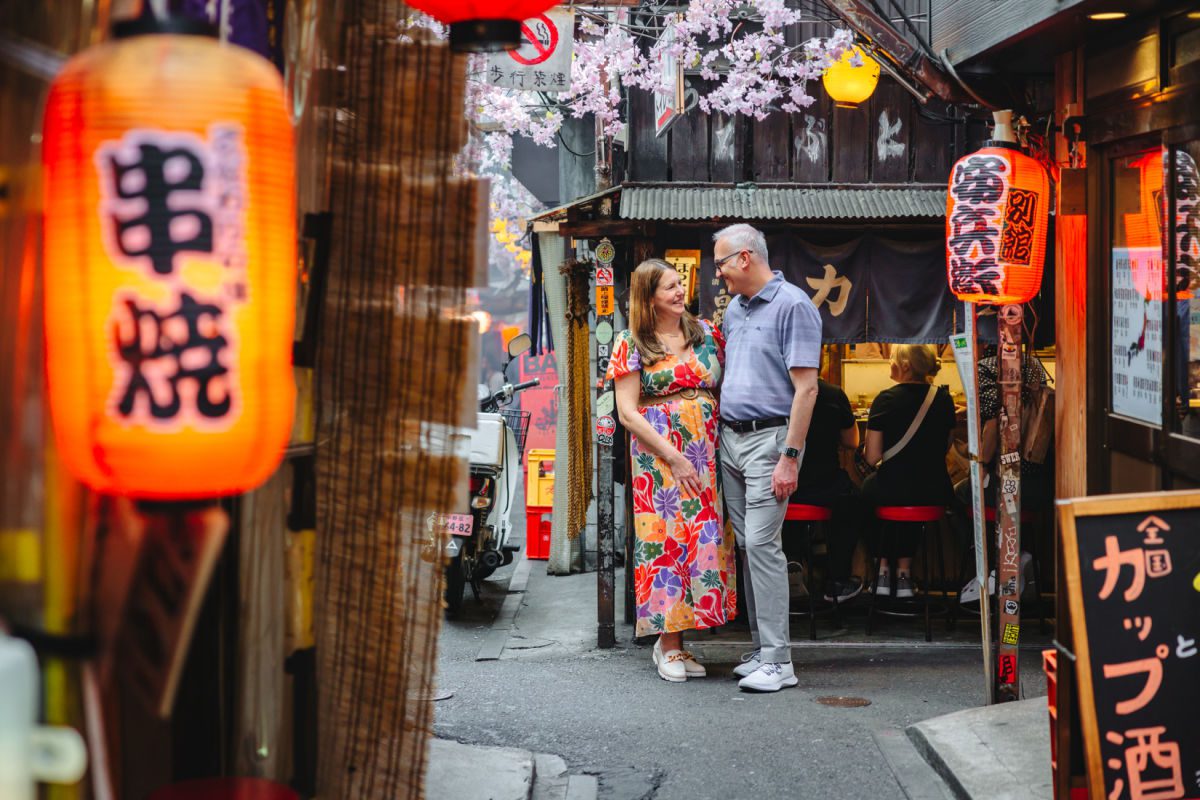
(169, 262)
(997, 216)
(482, 26)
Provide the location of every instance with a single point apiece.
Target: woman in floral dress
(666, 368)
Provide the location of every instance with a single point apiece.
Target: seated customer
(823, 482)
(909, 430)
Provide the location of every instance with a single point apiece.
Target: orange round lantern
(997, 217)
(169, 262)
(1144, 227)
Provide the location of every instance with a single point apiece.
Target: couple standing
(667, 367)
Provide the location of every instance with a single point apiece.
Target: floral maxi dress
(683, 560)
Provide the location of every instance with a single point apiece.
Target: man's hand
(783, 479)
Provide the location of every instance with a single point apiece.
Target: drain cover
(844, 702)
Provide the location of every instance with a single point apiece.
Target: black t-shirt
(831, 415)
(917, 474)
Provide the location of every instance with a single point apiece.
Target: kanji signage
(605, 300)
(997, 218)
(1133, 577)
(169, 267)
(543, 61)
(669, 94)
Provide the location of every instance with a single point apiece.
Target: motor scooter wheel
(456, 582)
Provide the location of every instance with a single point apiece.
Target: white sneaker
(750, 663)
(671, 666)
(769, 678)
(904, 586)
(883, 584)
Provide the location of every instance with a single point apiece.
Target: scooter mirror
(521, 343)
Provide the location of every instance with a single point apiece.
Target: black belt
(751, 425)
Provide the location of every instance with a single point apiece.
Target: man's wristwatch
(791, 452)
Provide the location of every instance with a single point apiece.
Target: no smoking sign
(543, 61)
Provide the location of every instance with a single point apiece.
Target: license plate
(457, 524)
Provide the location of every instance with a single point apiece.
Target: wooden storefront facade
(1126, 140)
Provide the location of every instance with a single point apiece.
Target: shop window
(1137, 286)
(1184, 300)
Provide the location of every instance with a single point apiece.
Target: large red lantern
(481, 26)
(997, 216)
(170, 257)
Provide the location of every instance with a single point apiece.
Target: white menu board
(1137, 348)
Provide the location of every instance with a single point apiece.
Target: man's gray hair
(744, 237)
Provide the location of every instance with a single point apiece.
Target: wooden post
(964, 352)
(1008, 507)
(606, 428)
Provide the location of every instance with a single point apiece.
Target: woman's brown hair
(642, 287)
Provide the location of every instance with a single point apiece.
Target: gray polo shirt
(765, 336)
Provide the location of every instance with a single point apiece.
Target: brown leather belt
(682, 394)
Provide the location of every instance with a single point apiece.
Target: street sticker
(1012, 634)
(604, 404)
(606, 426)
(605, 301)
(605, 252)
(543, 61)
(604, 276)
(603, 350)
(604, 332)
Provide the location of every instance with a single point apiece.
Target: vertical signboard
(668, 96)
(1133, 581)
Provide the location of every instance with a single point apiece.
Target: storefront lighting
(852, 79)
(1105, 16)
(483, 26)
(169, 257)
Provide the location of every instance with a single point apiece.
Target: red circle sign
(542, 49)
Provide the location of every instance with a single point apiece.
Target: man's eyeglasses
(720, 262)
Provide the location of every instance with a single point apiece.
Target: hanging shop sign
(542, 63)
(1133, 580)
(605, 252)
(997, 218)
(669, 93)
(170, 253)
(605, 300)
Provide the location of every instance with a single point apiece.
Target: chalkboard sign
(1133, 577)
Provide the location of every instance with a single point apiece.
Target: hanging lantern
(852, 79)
(997, 216)
(1144, 226)
(483, 26)
(169, 262)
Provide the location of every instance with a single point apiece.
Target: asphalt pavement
(607, 714)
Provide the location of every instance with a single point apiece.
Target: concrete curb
(999, 752)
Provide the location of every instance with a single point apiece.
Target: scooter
(479, 540)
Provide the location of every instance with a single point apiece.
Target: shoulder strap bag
(895, 449)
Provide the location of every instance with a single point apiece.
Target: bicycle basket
(518, 421)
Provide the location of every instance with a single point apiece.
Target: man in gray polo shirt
(772, 353)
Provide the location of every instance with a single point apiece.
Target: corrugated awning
(782, 202)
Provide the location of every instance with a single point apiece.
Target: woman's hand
(686, 477)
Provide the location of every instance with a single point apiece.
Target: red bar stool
(810, 516)
(927, 517)
(226, 789)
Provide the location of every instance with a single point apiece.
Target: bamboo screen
(395, 359)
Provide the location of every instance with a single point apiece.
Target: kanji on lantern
(997, 218)
(170, 262)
